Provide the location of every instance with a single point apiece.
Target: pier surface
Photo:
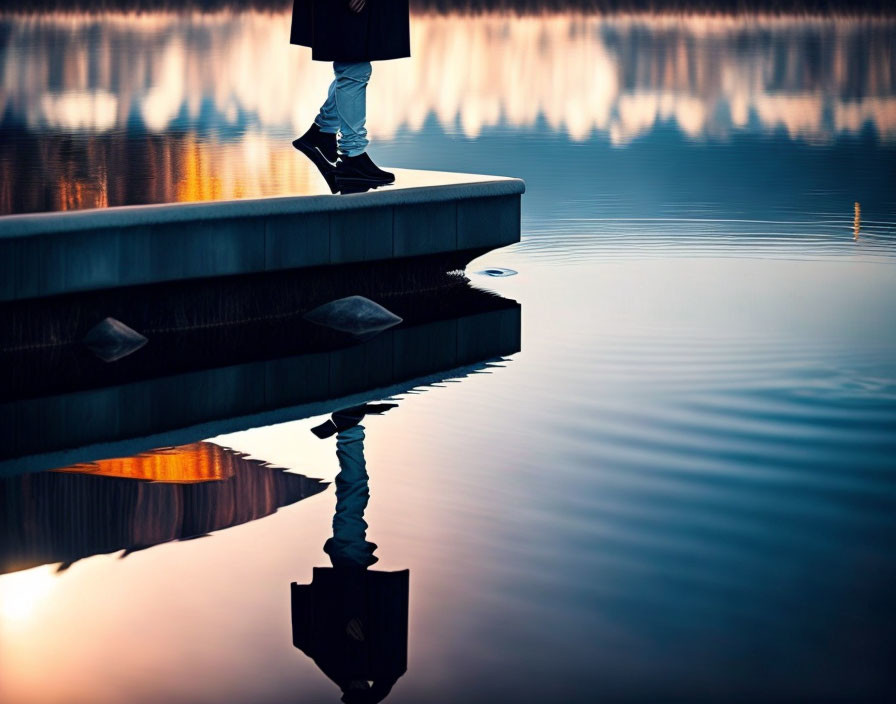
(424, 213)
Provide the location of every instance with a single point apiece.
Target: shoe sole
(361, 182)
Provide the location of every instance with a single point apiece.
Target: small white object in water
(111, 339)
(355, 315)
(496, 271)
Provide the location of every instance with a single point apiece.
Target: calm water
(683, 488)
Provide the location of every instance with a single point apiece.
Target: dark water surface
(683, 488)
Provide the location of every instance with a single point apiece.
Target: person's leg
(355, 169)
(351, 105)
(319, 142)
(328, 119)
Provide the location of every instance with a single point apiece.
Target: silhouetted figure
(353, 622)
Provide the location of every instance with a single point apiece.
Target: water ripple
(581, 238)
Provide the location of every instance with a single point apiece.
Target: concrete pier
(424, 213)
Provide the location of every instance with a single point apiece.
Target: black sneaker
(320, 147)
(354, 171)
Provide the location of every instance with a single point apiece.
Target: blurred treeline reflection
(851, 7)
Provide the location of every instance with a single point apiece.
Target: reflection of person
(351, 34)
(353, 622)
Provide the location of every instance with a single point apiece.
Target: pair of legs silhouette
(337, 140)
(344, 112)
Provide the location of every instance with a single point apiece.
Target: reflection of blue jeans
(349, 546)
(345, 110)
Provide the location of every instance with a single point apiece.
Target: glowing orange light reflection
(186, 464)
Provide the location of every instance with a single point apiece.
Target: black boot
(316, 145)
(320, 147)
(354, 171)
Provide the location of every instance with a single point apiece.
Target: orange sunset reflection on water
(203, 106)
(186, 464)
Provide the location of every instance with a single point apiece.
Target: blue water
(682, 488)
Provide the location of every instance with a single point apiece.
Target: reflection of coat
(335, 33)
(354, 624)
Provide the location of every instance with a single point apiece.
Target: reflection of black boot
(320, 147)
(354, 171)
(339, 421)
(349, 417)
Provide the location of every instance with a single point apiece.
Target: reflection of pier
(96, 508)
(227, 356)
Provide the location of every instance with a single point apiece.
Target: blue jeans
(345, 110)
